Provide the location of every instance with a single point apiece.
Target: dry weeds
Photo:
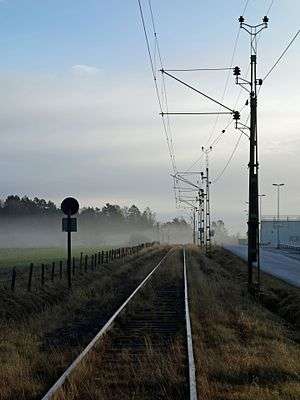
(243, 351)
(41, 333)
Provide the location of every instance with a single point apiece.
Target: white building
(287, 228)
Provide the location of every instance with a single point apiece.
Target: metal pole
(69, 244)
(194, 226)
(253, 234)
(208, 234)
(202, 219)
(201, 216)
(278, 244)
(198, 224)
(253, 215)
(278, 185)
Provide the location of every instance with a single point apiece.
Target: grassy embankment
(42, 332)
(245, 348)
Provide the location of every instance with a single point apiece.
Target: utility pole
(201, 217)
(198, 223)
(253, 215)
(207, 203)
(194, 225)
(191, 201)
(278, 185)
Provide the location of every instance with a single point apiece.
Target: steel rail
(192, 368)
(103, 330)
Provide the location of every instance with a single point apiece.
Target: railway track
(148, 352)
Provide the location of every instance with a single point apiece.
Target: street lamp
(278, 185)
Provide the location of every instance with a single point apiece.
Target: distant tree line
(110, 214)
(14, 206)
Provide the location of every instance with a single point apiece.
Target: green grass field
(17, 257)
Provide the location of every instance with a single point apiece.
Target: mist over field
(32, 232)
(47, 232)
(26, 223)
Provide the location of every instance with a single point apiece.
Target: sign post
(69, 206)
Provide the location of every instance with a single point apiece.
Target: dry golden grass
(242, 351)
(126, 377)
(245, 348)
(278, 296)
(41, 333)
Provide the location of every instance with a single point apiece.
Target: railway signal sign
(69, 206)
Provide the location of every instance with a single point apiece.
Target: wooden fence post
(81, 260)
(30, 277)
(73, 265)
(86, 263)
(13, 279)
(43, 275)
(52, 271)
(60, 269)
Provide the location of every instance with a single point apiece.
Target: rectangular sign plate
(69, 224)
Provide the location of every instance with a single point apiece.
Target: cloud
(84, 70)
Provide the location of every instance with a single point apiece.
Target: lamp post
(278, 185)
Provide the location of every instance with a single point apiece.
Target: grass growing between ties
(143, 356)
(243, 351)
(42, 333)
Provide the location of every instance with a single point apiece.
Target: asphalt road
(273, 262)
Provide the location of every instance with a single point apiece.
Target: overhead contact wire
(155, 84)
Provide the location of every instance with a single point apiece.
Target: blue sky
(79, 114)
(51, 35)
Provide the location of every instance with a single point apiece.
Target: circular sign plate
(69, 206)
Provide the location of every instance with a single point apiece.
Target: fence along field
(36, 276)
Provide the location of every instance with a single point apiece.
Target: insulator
(265, 19)
(241, 19)
(236, 115)
(236, 71)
